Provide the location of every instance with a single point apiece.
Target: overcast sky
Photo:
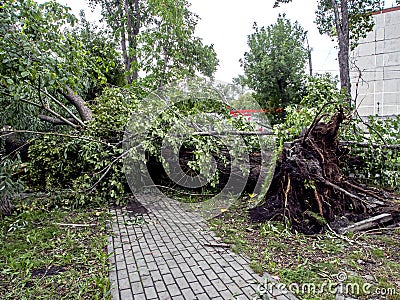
(227, 23)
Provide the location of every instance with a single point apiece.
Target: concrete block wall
(378, 59)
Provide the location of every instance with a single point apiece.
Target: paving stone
(121, 274)
(156, 275)
(190, 277)
(137, 287)
(150, 293)
(134, 276)
(165, 259)
(182, 282)
(163, 269)
(124, 284)
(203, 296)
(203, 280)
(173, 289)
(121, 265)
(126, 294)
(115, 291)
(225, 294)
(147, 281)
(196, 287)
(140, 296)
(160, 286)
(164, 296)
(168, 279)
(211, 291)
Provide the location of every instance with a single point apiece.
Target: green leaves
(157, 38)
(360, 20)
(274, 66)
(41, 50)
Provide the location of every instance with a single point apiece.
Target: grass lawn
(43, 256)
(368, 263)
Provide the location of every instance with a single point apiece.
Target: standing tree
(348, 21)
(48, 70)
(275, 65)
(157, 37)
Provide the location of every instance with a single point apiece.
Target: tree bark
(5, 206)
(56, 121)
(343, 34)
(80, 104)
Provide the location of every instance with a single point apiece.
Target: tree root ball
(309, 188)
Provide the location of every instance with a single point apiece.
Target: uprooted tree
(320, 175)
(310, 185)
(53, 71)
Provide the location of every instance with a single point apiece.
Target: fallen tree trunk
(5, 206)
(309, 187)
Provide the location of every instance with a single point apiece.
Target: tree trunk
(5, 207)
(343, 34)
(84, 111)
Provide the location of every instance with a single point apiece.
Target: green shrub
(80, 165)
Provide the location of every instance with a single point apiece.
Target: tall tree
(157, 37)
(47, 67)
(275, 65)
(348, 21)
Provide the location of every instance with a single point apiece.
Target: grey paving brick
(121, 265)
(147, 281)
(150, 293)
(140, 296)
(176, 272)
(226, 294)
(115, 292)
(165, 259)
(152, 266)
(156, 275)
(173, 289)
(211, 275)
(134, 276)
(126, 294)
(168, 279)
(182, 282)
(211, 291)
(171, 263)
(197, 270)
(137, 287)
(219, 285)
(190, 277)
(124, 284)
(163, 269)
(160, 286)
(203, 280)
(164, 296)
(196, 287)
(121, 274)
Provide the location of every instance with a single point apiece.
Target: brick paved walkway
(161, 252)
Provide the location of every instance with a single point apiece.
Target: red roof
(386, 10)
(246, 112)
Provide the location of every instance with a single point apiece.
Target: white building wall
(378, 59)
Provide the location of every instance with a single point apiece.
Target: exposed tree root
(309, 187)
